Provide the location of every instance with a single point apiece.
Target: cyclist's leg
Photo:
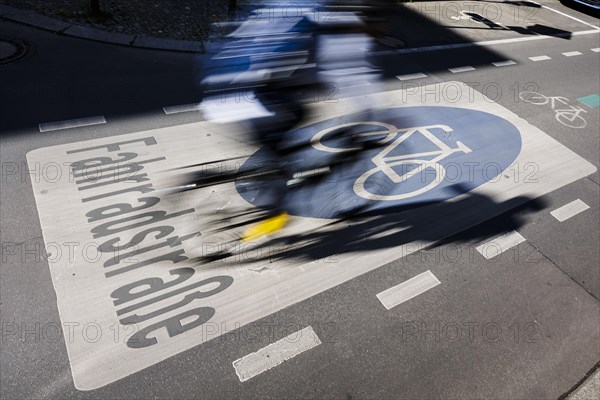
(270, 132)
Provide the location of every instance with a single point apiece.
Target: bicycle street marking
(385, 163)
(569, 116)
(418, 154)
(151, 302)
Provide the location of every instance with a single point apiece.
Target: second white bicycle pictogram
(564, 112)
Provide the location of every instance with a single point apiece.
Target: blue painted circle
(453, 151)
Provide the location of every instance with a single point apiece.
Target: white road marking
(182, 108)
(483, 43)
(461, 69)
(565, 15)
(408, 77)
(71, 123)
(540, 58)
(571, 53)
(408, 289)
(503, 63)
(596, 50)
(274, 354)
(500, 244)
(113, 292)
(219, 109)
(569, 210)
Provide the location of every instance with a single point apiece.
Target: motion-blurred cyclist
(271, 58)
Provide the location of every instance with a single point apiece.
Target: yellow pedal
(266, 227)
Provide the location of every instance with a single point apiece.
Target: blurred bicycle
(260, 69)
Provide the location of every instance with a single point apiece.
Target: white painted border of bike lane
(83, 291)
(543, 5)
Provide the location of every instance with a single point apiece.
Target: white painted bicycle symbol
(568, 115)
(409, 164)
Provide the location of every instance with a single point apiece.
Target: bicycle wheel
(577, 121)
(419, 182)
(533, 98)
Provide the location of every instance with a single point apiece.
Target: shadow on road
(65, 78)
(421, 225)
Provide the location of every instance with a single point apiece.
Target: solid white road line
(596, 50)
(71, 123)
(181, 108)
(540, 58)
(461, 69)
(565, 15)
(408, 77)
(483, 43)
(408, 289)
(503, 63)
(569, 210)
(274, 354)
(591, 31)
(500, 244)
(571, 53)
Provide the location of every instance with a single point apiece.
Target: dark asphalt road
(541, 298)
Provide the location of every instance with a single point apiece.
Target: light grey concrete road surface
(589, 389)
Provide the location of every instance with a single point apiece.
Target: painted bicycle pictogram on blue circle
(423, 155)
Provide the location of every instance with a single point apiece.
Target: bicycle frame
(385, 163)
(566, 116)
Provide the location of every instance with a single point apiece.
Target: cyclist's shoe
(265, 228)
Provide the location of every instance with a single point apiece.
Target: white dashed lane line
(181, 108)
(461, 69)
(503, 63)
(81, 122)
(540, 58)
(569, 210)
(483, 43)
(276, 353)
(71, 123)
(500, 244)
(408, 77)
(408, 289)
